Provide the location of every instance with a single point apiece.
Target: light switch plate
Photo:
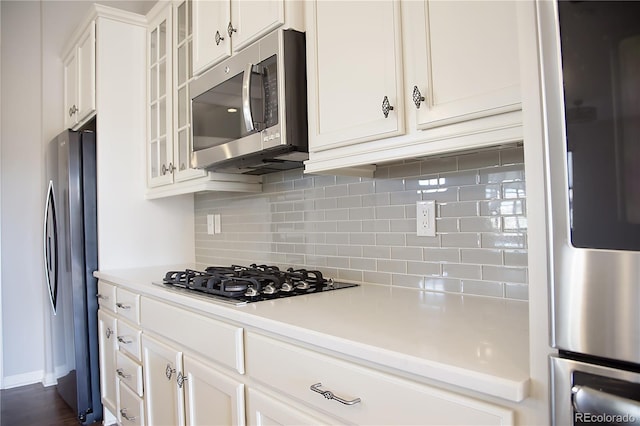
(217, 226)
(210, 224)
(426, 218)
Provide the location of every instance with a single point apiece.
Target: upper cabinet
(80, 78)
(169, 67)
(404, 79)
(160, 139)
(354, 63)
(223, 27)
(465, 65)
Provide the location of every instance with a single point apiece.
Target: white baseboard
(24, 379)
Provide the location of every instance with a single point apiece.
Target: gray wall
(364, 230)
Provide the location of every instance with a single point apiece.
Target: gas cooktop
(239, 285)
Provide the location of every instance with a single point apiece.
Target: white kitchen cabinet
(465, 65)
(162, 366)
(107, 353)
(354, 78)
(169, 136)
(355, 394)
(200, 390)
(159, 108)
(120, 353)
(212, 397)
(179, 389)
(80, 79)
(458, 82)
(130, 407)
(224, 27)
(263, 410)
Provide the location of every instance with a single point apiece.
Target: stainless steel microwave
(249, 113)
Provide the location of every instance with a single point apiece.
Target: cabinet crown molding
(102, 11)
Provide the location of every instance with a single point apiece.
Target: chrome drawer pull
(123, 306)
(123, 413)
(121, 339)
(101, 296)
(120, 372)
(330, 395)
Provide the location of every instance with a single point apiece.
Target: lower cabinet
(108, 348)
(180, 389)
(224, 374)
(264, 410)
(211, 397)
(355, 394)
(163, 381)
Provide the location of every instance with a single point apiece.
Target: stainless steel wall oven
(590, 53)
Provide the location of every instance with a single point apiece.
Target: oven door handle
(592, 401)
(246, 98)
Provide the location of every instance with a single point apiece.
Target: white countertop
(478, 343)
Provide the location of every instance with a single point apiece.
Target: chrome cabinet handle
(417, 96)
(73, 110)
(109, 332)
(180, 379)
(122, 339)
(169, 169)
(330, 395)
(121, 373)
(230, 29)
(101, 296)
(169, 371)
(218, 38)
(386, 107)
(123, 306)
(123, 413)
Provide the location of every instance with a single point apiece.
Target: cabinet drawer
(130, 407)
(129, 372)
(215, 340)
(294, 370)
(107, 296)
(129, 339)
(128, 305)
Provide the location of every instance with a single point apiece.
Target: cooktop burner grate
(243, 284)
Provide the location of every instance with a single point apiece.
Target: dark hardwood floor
(35, 405)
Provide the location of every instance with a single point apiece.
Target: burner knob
(269, 289)
(251, 292)
(302, 285)
(286, 287)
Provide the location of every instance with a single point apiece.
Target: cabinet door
(182, 75)
(70, 89)
(264, 410)
(212, 397)
(87, 73)
(159, 108)
(107, 353)
(354, 68)
(465, 61)
(253, 18)
(211, 42)
(161, 366)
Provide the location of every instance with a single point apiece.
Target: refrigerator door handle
(50, 246)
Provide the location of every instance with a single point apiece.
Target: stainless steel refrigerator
(71, 257)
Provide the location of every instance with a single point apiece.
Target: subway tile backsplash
(364, 230)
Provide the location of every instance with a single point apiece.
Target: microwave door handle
(246, 98)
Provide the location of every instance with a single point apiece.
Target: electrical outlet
(210, 224)
(426, 218)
